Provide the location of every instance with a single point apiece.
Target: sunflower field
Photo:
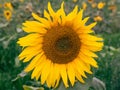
(59, 45)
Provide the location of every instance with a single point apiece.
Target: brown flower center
(61, 44)
(7, 13)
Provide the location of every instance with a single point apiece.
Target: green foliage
(109, 65)
(32, 88)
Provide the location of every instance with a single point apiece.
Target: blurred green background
(14, 12)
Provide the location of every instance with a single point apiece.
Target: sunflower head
(0, 5)
(98, 18)
(74, 1)
(8, 5)
(7, 14)
(21, 1)
(101, 5)
(90, 1)
(94, 5)
(112, 7)
(84, 5)
(59, 46)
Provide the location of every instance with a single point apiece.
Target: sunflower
(7, 14)
(74, 1)
(98, 18)
(101, 5)
(8, 5)
(0, 5)
(94, 5)
(59, 46)
(112, 7)
(90, 1)
(21, 1)
(84, 5)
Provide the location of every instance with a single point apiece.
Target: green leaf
(2, 25)
(17, 62)
(25, 87)
(22, 74)
(97, 84)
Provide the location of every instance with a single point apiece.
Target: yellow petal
(79, 77)
(84, 20)
(91, 48)
(88, 52)
(77, 20)
(51, 11)
(83, 66)
(84, 31)
(42, 20)
(57, 19)
(39, 66)
(50, 80)
(38, 75)
(71, 73)
(56, 74)
(87, 59)
(90, 26)
(88, 66)
(78, 24)
(62, 14)
(27, 51)
(46, 14)
(79, 69)
(34, 26)
(33, 63)
(30, 40)
(30, 56)
(63, 74)
(80, 15)
(73, 14)
(45, 71)
(29, 29)
(92, 43)
(90, 37)
(57, 81)
(62, 10)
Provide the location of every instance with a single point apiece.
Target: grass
(109, 62)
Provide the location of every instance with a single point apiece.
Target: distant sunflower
(74, 1)
(94, 5)
(101, 5)
(59, 46)
(0, 5)
(84, 5)
(21, 1)
(7, 14)
(8, 5)
(112, 7)
(90, 1)
(98, 18)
